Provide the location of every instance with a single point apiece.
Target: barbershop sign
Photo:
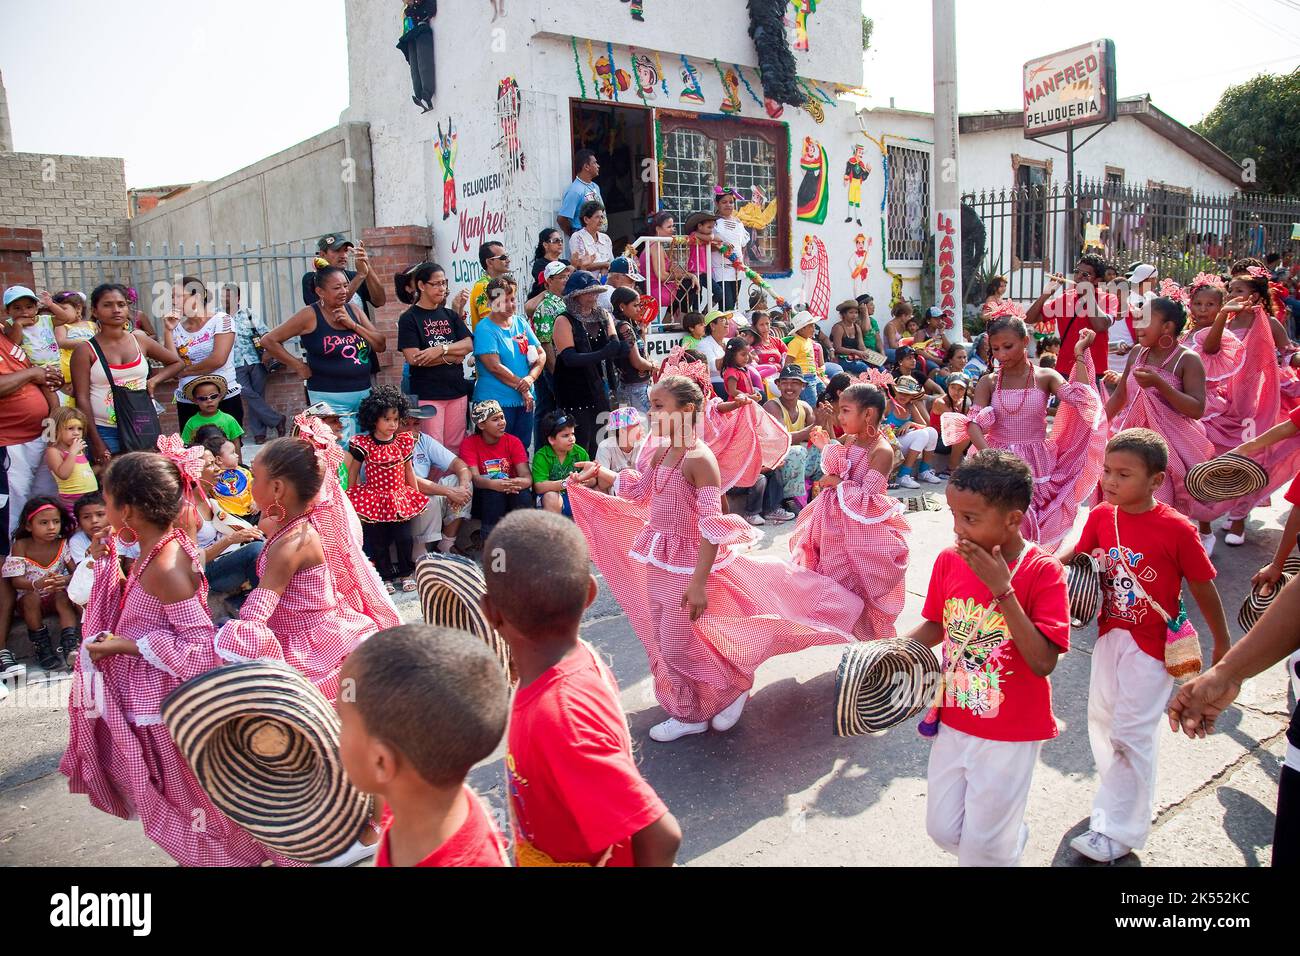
(1070, 89)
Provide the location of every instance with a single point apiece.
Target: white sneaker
(1099, 847)
(907, 481)
(353, 854)
(1208, 541)
(755, 520)
(674, 729)
(929, 476)
(779, 515)
(727, 718)
(1234, 540)
(9, 665)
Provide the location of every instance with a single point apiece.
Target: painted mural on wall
(813, 196)
(638, 10)
(815, 265)
(856, 172)
(498, 9)
(448, 146)
(859, 264)
(508, 106)
(802, 9)
(692, 92)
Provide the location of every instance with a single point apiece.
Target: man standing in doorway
(495, 262)
(1074, 305)
(583, 189)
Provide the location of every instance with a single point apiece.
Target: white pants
(1127, 696)
(919, 439)
(426, 527)
(28, 477)
(976, 792)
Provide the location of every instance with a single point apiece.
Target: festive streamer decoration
(595, 76)
(577, 67)
(663, 77)
(692, 92)
(814, 193)
(776, 66)
(613, 70)
(730, 90)
(812, 106)
(729, 253)
(749, 89)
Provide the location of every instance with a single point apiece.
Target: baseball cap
(421, 412)
(935, 312)
(16, 292)
(625, 266)
(553, 269)
(1141, 272)
(333, 242)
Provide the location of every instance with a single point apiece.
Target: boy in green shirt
(206, 392)
(555, 461)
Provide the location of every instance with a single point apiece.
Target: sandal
(408, 585)
(388, 586)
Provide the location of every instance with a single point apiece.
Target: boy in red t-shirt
(998, 605)
(576, 795)
(1142, 574)
(419, 707)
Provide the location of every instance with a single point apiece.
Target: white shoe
(1235, 540)
(1209, 540)
(778, 516)
(727, 718)
(674, 729)
(353, 854)
(1099, 847)
(929, 476)
(755, 520)
(907, 481)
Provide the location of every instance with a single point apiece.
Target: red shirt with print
(1160, 548)
(992, 693)
(500, 460)
(475, 843)
(1072, 317)
(574, 785)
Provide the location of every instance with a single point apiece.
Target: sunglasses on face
(205, 398)
(497, 258)
(555, 239)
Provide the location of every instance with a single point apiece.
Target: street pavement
(781, 788)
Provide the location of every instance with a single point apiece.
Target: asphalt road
(780, 788)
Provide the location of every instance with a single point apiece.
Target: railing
(1034, 231)
(675, 253)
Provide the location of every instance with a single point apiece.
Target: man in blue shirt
(583, 189)
(445, 479)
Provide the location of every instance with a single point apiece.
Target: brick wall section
(16, 248)
(393, 249)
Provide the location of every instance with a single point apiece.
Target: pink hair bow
(1007, 308)
(874, 376)
(321, 438)
(678, 363)
(1172, 290)
(188, 461)
(1208, 280)
(1259, 272)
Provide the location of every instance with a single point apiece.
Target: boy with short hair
(1142, 575)
(576, 796)
(420, 707)
(207, 392)
(998, 605)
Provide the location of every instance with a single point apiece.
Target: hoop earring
(275, 512)
(122, 533)
(1166, 345)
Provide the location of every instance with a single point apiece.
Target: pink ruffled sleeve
(955, 427)
(249, 637)
(633, 485)
(1083, 397)
(183, 648)
(835, 460)
(717, 528)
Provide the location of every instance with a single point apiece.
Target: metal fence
(269, 277)
(1034, 231)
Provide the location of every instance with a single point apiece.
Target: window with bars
(1029, 211)
(746, 155)
(907, 203)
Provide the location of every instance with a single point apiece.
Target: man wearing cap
(1142, 282)
(623, 274)
(446, 480)
(1074, 305)
(27, 398)
(364, 287)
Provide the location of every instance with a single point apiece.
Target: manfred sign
(1070, 89)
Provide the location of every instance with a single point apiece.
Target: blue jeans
(346, 404)
(227, 572)
(812, 389)
(520, 424)
(109, 437)
(853, 367)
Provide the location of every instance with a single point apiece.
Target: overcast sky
(188, 91)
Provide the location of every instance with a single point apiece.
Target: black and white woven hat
(880, 684)
(1226, 477)
(450, 590)
(1083, 590)
(263, 743)
(1258, 600)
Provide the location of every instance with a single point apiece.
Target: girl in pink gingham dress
(707, 614)
(150, 633)
(854, 532)
(317, 597)
(1012, 416)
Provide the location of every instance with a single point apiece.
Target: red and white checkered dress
(119, 752)
(856, 535)
(1186, 438)
(646, 543)
(311, 627)
(1066, 464)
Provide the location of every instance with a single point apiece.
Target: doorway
(622, 137)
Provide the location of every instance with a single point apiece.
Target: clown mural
(856, 172)
(447, 149)
(859, 271)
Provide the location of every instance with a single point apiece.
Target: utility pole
(948, 293)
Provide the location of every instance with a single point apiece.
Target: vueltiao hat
(880, 684)
(906, 385)
(451, 589)
(1225, 477)
(263, 743)
(193, 384)
(1258, 601)
(1083, 590)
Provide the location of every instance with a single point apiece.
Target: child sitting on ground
(626, 435)
(92, 517)
(233, 488)
(429, 704)
(998, 606)
(576, 795)
(498, 461)
(555, 461)
(1144, 550)
(66, 457)
(39, 568)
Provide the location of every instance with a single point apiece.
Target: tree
(867, 26)
(1259, 120)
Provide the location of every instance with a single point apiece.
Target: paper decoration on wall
(577, 67)
(859, 270)
(730, 90)
(803, 9)
(812, 198)
(638, 11)
(691, 90)
(776, 66)
(744, 79)
(447, 149)
(508, 105)
(645, 75)
(758, 214)
(814, 109)
(856, 172)
(498, 10)
(663, 77)
(816, 268)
